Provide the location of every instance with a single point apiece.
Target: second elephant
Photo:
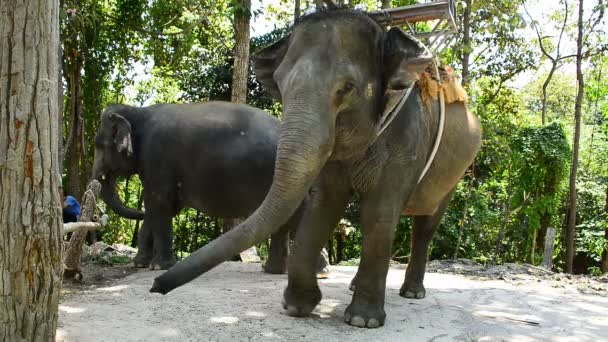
(217, 157)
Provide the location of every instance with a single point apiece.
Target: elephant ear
(266, 61)
(405, 58)
(122, 134)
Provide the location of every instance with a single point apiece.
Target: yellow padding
(452, 90)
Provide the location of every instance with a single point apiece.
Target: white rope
(440, 129)
(386, 120)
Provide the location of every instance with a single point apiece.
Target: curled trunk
(301, 153)
(108, 194)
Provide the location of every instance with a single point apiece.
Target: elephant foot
(141, 260)
(300, 302)
(364, 316)
(272, 267)
(412, 290)
(353, 284)
(158, 263)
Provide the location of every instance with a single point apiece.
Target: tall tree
(557, 59)
(580, 83)
(30, 213)
(240, 71)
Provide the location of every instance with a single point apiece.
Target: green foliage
(541, 156)
(143, 52)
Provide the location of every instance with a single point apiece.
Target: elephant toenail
(346, 317)
(358, 322)
(420, 295)
(373, 323)
(293, 311)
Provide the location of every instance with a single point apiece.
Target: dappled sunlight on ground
(70, 310)
(236, 302)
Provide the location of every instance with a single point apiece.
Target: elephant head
(114, 156)
(337, 75)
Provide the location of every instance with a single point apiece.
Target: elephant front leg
(377, 227)
(327, 202)
(424, 227)
(160, 225)
(144, 247)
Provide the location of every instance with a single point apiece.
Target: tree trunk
(386, 4)
(570, 232)
(549, 248)
(240, 71)
(140, 200)
(74, 146)
(30, 214)
(533, 249)
(505, 219)
(466, 43)
(604, 262)
(73, 249)
(296, 10)
(545, 87)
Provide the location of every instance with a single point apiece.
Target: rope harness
(386, 120)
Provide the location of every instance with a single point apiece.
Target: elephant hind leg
(279, 250)
(424, 227)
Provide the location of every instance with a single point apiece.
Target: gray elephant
(339, 75)
(217, 157)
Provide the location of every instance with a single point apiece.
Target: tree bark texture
(73, 250)
(571, 229)
(240, 71)
(30, 204)
(549, 248)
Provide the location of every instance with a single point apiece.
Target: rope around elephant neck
(439, 130)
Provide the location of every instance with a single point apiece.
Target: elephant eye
(346, 88)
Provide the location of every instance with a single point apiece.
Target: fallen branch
(80, 226)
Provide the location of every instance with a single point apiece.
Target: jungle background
(544, 159)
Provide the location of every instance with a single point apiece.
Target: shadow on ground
(237, 302)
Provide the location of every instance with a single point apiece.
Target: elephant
(217, 157)
(340, 77)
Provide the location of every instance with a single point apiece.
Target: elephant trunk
(108, 194)
(302, 151)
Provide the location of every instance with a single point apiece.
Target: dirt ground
(237, 302)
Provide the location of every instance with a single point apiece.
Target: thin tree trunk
(466, 43)
(240, 72)
(570, 232)
(506, 215)
(30, 213)
(296, 10)
(545, 87)
(74, 143)
(533, 249)
(386, 4)
(140, 200)
(604, 262)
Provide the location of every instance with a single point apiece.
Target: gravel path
(237, 302)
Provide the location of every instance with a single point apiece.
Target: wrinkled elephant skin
(334, 74)
(217, 157)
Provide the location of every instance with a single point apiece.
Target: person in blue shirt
(71, 209)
